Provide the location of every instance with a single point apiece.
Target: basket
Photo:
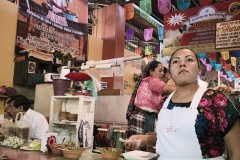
(109, 153)
(56, 149)
(63, 115)
(72, 117)
(72, 152)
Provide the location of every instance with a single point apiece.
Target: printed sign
(46, 25)
(195, 28)
(228, 34)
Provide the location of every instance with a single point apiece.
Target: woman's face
(184, 67)
(158, 72)
(6, 113)
(12, 110)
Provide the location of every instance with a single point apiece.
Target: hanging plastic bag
(23, 126)
(84, 132)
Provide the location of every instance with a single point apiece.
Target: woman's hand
(134, 142)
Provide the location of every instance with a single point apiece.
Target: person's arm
(232, 141)
(157, 85)
(56, 5)
(144, 140)
(168, 89)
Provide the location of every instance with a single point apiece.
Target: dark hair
(165, 70)
(151, 67)
(7, 100)
(198, 61)
(20, 100)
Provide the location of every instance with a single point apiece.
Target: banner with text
(228, 34)
(47, 25)
(195, 28)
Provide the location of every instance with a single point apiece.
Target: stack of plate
(139, 155)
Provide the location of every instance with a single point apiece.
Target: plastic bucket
(60, 86)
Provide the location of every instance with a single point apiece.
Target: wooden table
(18, 154)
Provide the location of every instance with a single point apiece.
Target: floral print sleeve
(216, 116)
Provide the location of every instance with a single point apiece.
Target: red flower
(214, 152)
(220, 100)
(205, 102)
(221, 118)
(209, 114)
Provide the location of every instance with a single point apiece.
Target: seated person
(6, 115)
(39, 124)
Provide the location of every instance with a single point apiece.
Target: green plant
(58, 54)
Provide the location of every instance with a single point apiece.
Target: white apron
(176, 136)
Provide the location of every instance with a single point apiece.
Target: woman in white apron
(193, 124)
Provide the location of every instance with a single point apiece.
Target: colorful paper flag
(164, 6)
(228, 67)
(129, 33)
(148, 34)
(234, 61)
(183, 4)
(148, 50)
(213, 63)
(212, 55)
(237, 54)
(204, 61)
(160, 33)
(225, 55)
(146, 6)
(209, 67)
(202, 55)
(236, 74)
(218, 67)
(223, 62)
(129, 11)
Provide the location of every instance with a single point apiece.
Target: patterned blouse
(216, 116)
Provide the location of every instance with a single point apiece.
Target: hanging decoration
(156, 49)
(213, 63)
(234, 62)
(209, 67)
(164, 6)
(237, 54)
(236, 74)
(204, 61)
(160, 33)
(225, 55)
(148, 50)
(202, 55)
(218, 67)
(129, 11)
(212, 55)
(183, 4)
(130, 34)
(238, 66)
(228, 67)
(223, 62)
(205, 2)
(148, 34)
(146, 6)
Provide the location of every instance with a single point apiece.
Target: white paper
(64, 72)
(106, 73)
(118, 71)
(44, 140)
